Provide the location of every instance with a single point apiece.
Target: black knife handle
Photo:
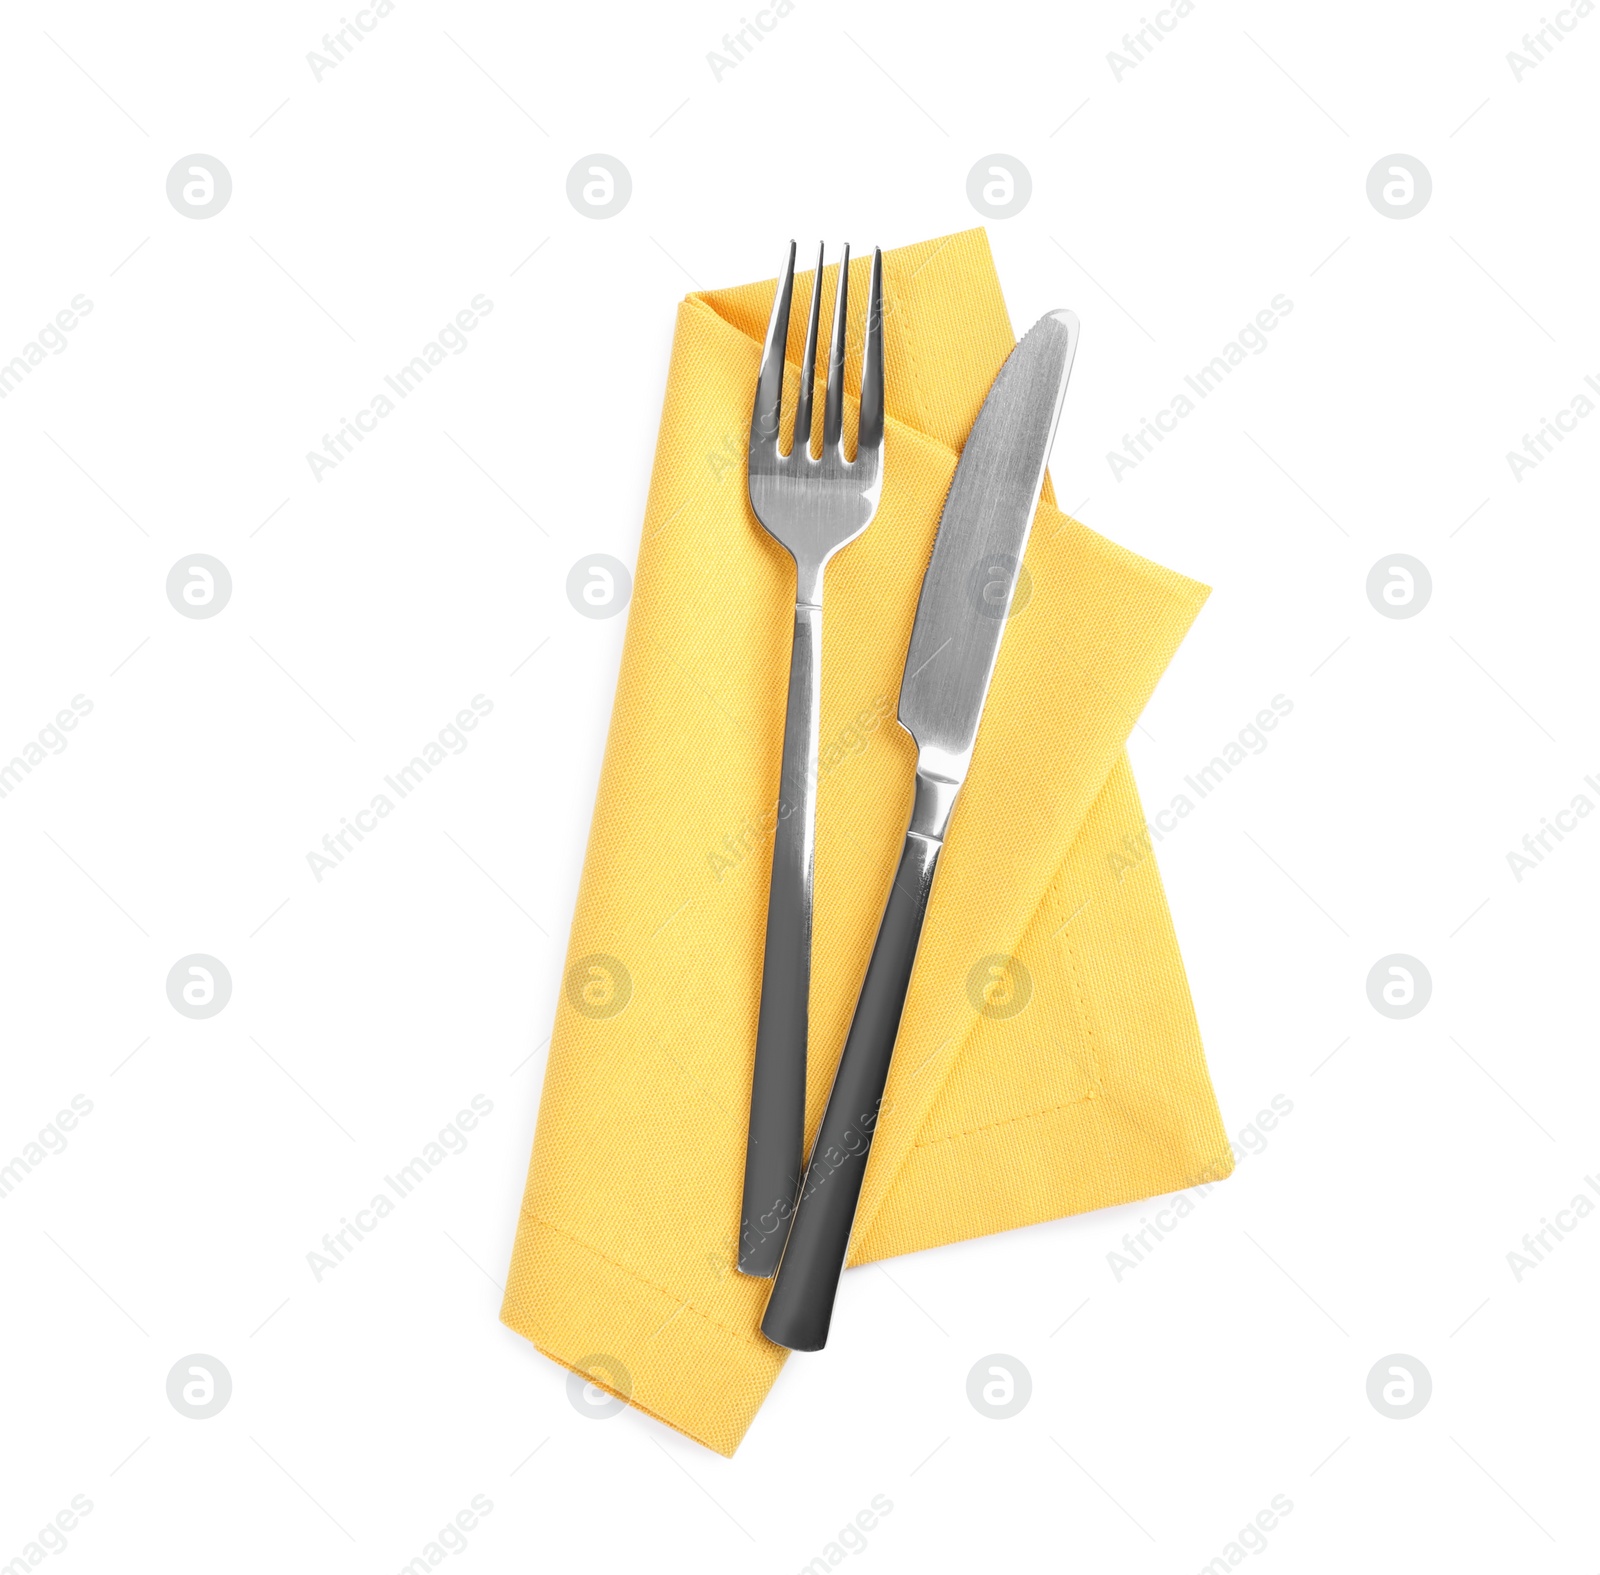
(801, 1305)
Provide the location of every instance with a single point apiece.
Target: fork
(812, 507)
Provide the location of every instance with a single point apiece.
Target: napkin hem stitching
(1080, 988)
(1005, 1121)
(904, 335)
(539, 1219)
(1080, 1003)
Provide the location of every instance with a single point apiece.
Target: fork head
(815, 506)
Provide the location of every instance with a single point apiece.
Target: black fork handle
(801, 1305)
(775, 1153)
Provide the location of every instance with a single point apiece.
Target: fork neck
(808, 584)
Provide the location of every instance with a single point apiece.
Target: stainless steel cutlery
(812, 506)
(796, 1224)
(961, 616)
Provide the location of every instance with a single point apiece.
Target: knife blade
(961, 617)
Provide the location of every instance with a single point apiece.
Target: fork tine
(808, 368)
(769, 389)
(833, 411)
(870, 438)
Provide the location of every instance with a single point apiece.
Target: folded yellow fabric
(1048, 1059)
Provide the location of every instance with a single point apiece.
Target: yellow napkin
(1048, 1059)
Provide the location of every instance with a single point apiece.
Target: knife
(961, 615)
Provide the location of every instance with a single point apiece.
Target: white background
(367, 608)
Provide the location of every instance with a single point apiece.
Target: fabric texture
(1048, 1060)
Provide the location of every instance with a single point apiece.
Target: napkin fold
(1048, 1060)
